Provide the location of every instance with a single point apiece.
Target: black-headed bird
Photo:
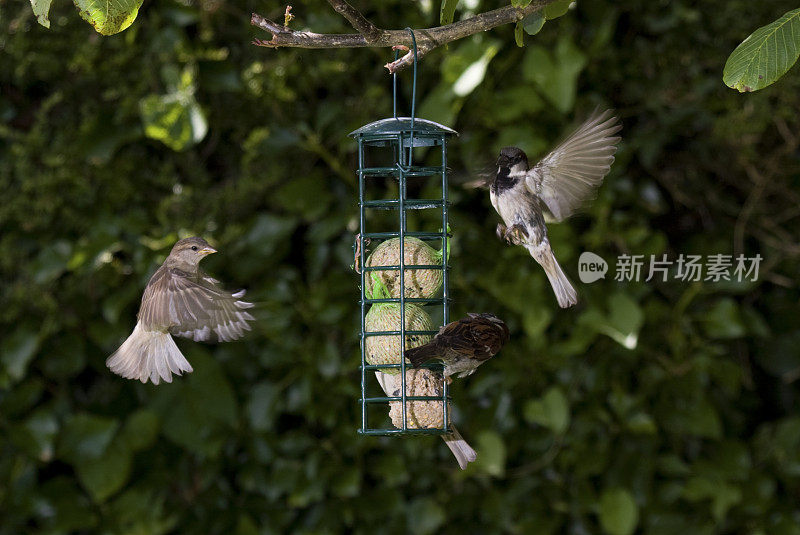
(179, 300)
(557, 186)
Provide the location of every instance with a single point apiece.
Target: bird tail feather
(420, 355)
(462, 451)
(565, 293)
(152, 355)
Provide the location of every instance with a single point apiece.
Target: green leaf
(551, 411)
(68, 509)
(447, 12)
(104, 476)
(535, 321)
(261, 408)
(141, 511)
(108, 17)
(425, 516)
(491, 454)
(520, 3)
(555, 74)
(18, 349)
(556, 9)
(724, 320)
(625, 318)
(474, 74)
(21, 399)
(618, 512)
(533, 23)
(198, 411)
(781, 356)
(41, 8)
(641, 423)
(519, 35)
(175, 122)
(347, 483)
(265, 236)
(463, 69)
(391, 469)
(140, 430)
(698, 418)
(765, 55)
(64, 356)
(100, 141)
(723, 495)
(465, 55)
(35, 436)
(175, 118)
(86, 436)
(51, 262)
(621, 324)
(245, 525)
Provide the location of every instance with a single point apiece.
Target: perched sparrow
(463, 345)
(180, 300)
(390, 384)
(558, 185)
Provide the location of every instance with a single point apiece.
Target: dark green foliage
(765, 55)
(694, 430)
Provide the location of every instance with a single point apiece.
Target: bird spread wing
(480, 176)
(481, 180)
(193, 307)
(569, 176)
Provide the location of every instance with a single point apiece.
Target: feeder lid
(401, 125)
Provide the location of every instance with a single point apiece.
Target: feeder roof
(400, 125)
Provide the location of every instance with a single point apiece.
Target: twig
(313, 143)
(359, 22)
(287, 17)
(371, 36)
(747, 209)
(543, 461)
(357, 254)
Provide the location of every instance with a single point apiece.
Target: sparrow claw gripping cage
(400, 136)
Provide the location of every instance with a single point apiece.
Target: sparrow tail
(463, 452)
(149, 355)
(420, 355)
(563, 289)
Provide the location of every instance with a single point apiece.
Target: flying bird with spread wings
(555, 187)
(179, 300)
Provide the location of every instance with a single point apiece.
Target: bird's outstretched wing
(483, 181)
(569, 176)
(192, 307)
(478, 176)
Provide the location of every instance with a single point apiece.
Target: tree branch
(371, 36)
(361, 24)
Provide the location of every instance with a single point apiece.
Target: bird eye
(194, 247)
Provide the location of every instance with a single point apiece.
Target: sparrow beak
(207, 251)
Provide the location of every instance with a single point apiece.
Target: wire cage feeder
(396, 139)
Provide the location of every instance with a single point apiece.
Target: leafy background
(111, 148)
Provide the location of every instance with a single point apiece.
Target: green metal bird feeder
(394, 140)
